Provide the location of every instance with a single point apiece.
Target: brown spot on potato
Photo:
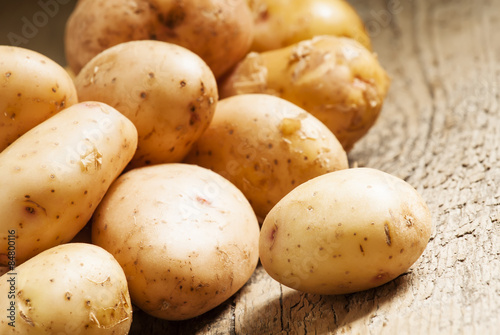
(202, 201)
(183, 83)
(387, 234)
(143, 95)
(173, 18)
(8, 74)
(194, 117)
(68, 295)
(361, 249)
(382, 276)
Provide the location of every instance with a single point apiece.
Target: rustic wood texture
(440, 131)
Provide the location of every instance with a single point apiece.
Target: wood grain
(440, 131)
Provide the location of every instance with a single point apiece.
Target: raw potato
(219, 31)
(53, 177)
(186, 238)
(334, 78)
(32, 89)
(266, 146)
(280, 23)
(74, 288)
(167, 91)
(344, 232)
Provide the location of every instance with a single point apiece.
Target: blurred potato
(219, 31)
(280, 23)
(335, 79)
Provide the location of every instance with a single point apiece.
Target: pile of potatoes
(191, 139)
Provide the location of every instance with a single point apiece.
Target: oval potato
(53, 177)
(167, 91)
(186, 238)
(335, 79)
(266, 146)
(219, 31)
(280, 23)
(345, 231)
(32, 88)
(74, 288)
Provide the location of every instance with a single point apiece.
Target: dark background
(27, 24)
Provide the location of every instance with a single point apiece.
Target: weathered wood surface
(440, 131)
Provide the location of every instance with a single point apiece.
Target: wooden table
(440, 131)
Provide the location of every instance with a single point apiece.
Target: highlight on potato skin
(280, 23)
(344, 232)
(335, 79)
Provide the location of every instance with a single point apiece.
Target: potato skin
(219, 31)
(53, 177)
(345, 231)
(33, 88)
(167, 91)
(186, 238)
(335, 79)
(74, 288)
(266, 146)
(280, 23)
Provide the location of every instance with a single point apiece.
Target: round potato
(53, 177)
(335, 79)
(280, 23)
(344, 232)
(74, 288)
(219, 31)
(167, 91)
(266, 146)
(186, 238)
(33, 88)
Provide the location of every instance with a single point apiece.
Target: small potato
(266, 146)
(186, 238)
(74, 288)
(219, 31)
(167, 91)
(53, 177)
(335, 79)
(344, 232)
(32, 89)
(280, 23)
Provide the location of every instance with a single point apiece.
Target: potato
(53, 177)
(165, 90)
(219, 31)
(344, 232)
(74, 288)
(186, 238)
(335, 79)
(33, 88)
(280, 23)
(266, 146)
